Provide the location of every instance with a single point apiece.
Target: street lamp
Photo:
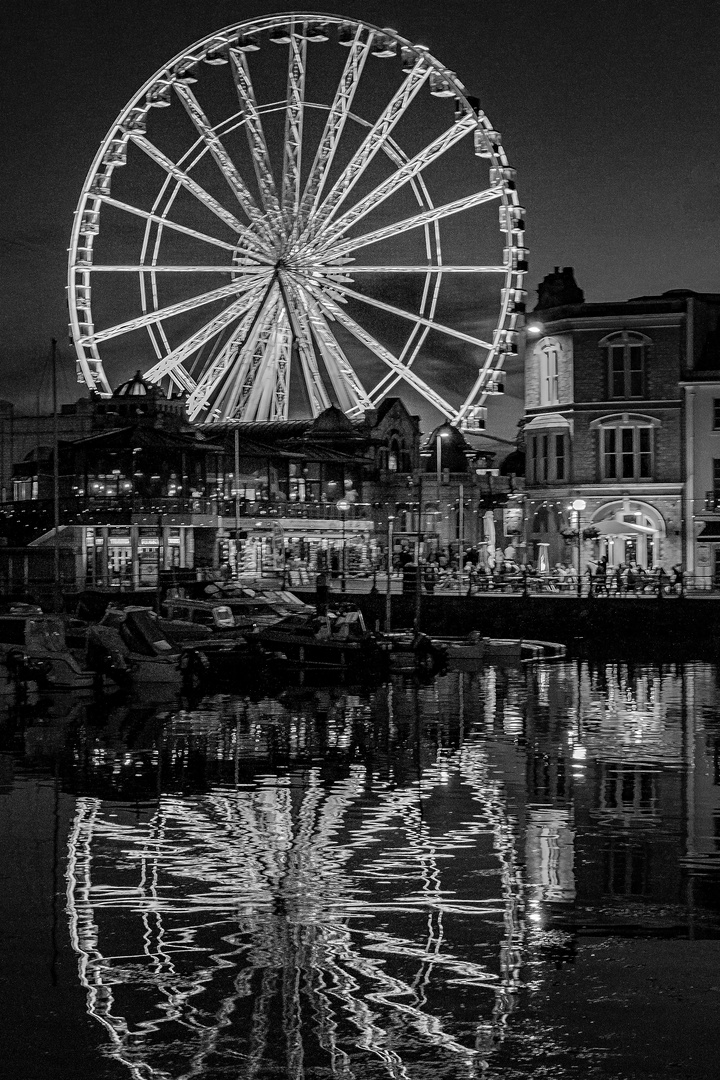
(388, 600)
(443, 433)
(343, 506)
(578, 506)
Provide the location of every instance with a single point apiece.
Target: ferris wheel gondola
(295, 253)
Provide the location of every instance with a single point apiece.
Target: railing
(83, 509)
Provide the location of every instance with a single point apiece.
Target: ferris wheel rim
(89, 358)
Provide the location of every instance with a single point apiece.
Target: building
(142, 491)
(614, 419)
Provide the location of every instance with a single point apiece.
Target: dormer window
(626, 357)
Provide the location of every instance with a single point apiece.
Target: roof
(145, 437)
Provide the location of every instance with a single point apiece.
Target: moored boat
(338, 640)
(475, 649)
(33, 648)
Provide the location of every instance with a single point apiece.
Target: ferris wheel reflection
(303, 920)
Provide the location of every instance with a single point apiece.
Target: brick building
(607, 422)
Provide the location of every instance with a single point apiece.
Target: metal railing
(83, 508)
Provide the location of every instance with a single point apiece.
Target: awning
(710, 534)
(611, 527)
(546, 421)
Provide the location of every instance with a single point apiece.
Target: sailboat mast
(56, 483)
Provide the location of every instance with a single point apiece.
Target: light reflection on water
(369, 882)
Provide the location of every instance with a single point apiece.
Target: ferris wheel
(297, 212)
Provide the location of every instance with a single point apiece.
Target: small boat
(475, 649)
(413, 650)
(204, 620)
(129, 644)
(338, 640)
(33, 649)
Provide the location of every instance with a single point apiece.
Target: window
(716, 414)
(626, 452)
(549, 458)
(549, 365)
(716, 478)
(626, 364)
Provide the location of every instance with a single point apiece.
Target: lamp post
(388, 601)
(343, 507)
(578, 506)
(443, 433)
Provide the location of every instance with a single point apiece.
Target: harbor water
(506, 872)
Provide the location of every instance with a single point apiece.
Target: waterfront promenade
(647, 620)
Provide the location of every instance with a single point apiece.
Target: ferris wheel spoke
(372, 143)
(384, 354)
(335, 123)
(239, 269)
(405, 173)
(222, 159)
(178, 355)
(440, 327)
(350, 393)
(158, 219)
(437, 213)
(294, 116)
(343, 270)
(156, 155)
(314, 386)
(255, 135)
(168, 312)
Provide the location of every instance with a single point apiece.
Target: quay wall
(600, 621)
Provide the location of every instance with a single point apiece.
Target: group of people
(630, 579)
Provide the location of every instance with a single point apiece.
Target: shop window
(25, 489)
(626, 355)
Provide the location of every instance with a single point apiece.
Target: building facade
(610, 423)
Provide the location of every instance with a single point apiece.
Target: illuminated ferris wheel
(296, 212)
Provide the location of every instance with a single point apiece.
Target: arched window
(626, 362)
(626, 447)
(549, 369)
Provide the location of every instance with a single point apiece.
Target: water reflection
(370, 882)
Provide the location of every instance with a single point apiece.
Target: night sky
(608, 110)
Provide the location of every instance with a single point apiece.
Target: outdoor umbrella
(489, 530)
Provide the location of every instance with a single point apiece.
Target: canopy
(611, 527)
